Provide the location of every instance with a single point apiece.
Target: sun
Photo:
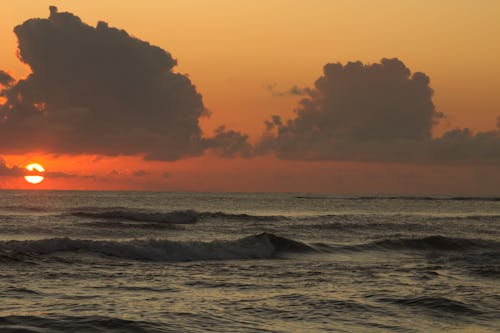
(36, 178)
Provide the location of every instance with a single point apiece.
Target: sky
(371, 97)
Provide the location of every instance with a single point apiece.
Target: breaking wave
(261, 246)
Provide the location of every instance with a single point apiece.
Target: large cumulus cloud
(98, 90)
(373, 112)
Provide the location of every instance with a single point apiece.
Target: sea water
(234, 262)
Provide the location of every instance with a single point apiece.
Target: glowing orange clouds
(34, 179)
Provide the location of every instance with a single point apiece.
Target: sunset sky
(248, 61)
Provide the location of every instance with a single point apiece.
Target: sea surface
(233, 262)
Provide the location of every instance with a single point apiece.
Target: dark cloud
(13, 171)
(462, 145)
(376, 112)
(59, 174)
(292, 91)
(17, 171)
(5, 78)
(230, 143)
(99, 90)
(140, 173)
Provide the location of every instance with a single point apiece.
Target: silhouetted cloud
(292, 91)
(17, 171)
(376, 112)
(12, 171)
(5, 78)
(99, 90)
(140, 173)
(59, 174)
(462, 145)
(230, 143)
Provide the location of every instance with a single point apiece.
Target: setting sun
(34, 179)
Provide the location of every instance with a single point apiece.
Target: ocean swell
(172, 217)
(405, 198)
(137, 215)
(435, 303)
(262, 246)
(63, 324)
(429, 243)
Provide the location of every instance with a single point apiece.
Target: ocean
(78, 261)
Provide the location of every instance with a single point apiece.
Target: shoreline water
(169, 262)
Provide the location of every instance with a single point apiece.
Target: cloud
(59, 174)
(140, 173)
(377, 112)
(462, 145)
(99, 90)
(13, 171)
(230, 143)
(17, 171)
(292, 91)
(5, 78)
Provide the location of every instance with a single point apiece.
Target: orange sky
(232, 49)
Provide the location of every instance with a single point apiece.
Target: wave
(411, 198)
(24, 208)
(138, 215)
(173, 217)
(429, 243)
(261, 246)
(399, 222)
(435, 303)
(19, 290)
(475, 217)
(62, 324)
(7, 256)
(242, 217)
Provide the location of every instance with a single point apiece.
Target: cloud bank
(99, 90)
(377, 112)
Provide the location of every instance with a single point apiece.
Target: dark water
(226, 262)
